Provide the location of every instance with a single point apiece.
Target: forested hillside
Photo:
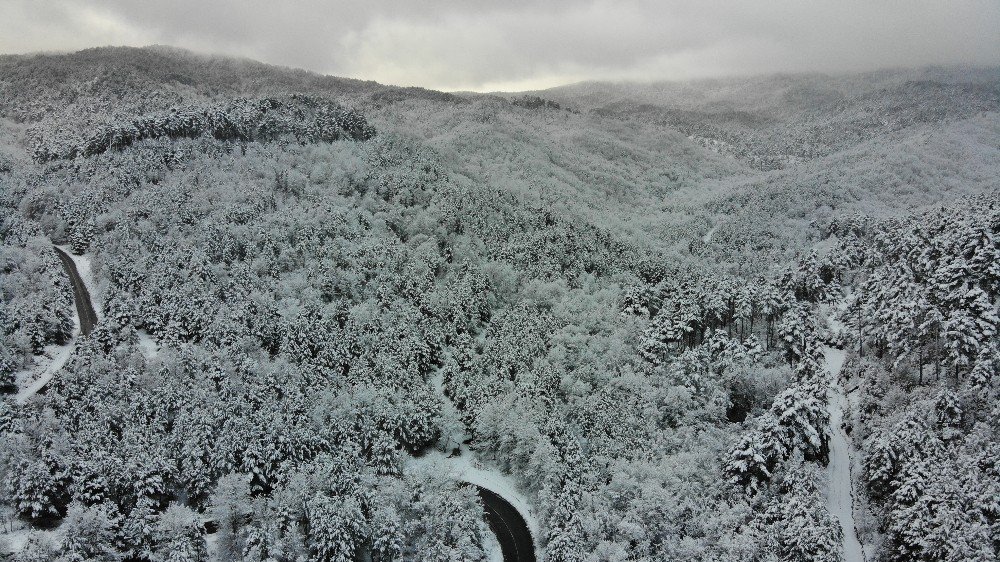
(922, 325)
(618, 297)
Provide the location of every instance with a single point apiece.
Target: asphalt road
(84, 307)
(509, 527)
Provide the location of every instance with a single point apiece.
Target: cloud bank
(516, 45)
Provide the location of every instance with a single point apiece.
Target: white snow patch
(834, 360)
(708, 235)
(840, 496)
(17, 538)
(212, 547)
(53, 358)
(147, 344)
(437, 383)
(835, 315)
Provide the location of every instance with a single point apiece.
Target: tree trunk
(861, 335)
(937, 357)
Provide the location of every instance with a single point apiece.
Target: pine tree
(39, 488)
(806, 530)
(803, 419)
(750, 462)
(89, 534)
(82, 235)
(180, 536)
(139, 531)
(337, 528)
(970, 328)
(386, 538)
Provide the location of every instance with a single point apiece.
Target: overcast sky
(519, 45)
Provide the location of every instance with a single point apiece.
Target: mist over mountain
(292, 316)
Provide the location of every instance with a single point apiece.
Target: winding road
(507, 522)
(88, 319)
(509, 526)
(84, 307)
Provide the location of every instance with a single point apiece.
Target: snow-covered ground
(14, 541)
(212, 547)
(147, 344)
(708, 235)
(53, 358)
(17, 538)
(840, 497)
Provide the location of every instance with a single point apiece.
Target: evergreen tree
(89, 534)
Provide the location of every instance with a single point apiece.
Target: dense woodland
(625, 314)
(924, 323)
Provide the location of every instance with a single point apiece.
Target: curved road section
(509, 527)
(88, 319)
(84, 308)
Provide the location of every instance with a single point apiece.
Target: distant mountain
(115, 79)
(770, 122)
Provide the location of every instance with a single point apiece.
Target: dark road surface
(85, 308)
(510, 528)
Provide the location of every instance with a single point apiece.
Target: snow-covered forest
(328, 309)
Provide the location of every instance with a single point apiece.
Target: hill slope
(615, 297)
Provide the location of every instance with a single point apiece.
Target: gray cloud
(485, 44)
